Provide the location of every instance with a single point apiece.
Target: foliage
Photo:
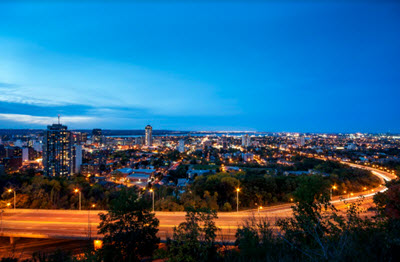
(255, 238)
(129, 229)
(40, 192)
(194, 239)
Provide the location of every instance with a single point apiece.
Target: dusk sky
(315, 66)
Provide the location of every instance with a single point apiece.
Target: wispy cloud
(45, 120)
(7, 85)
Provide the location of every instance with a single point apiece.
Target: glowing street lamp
(333, 188)
(8, 204)
(152, 192)
(15, 197)
(260, 207)
(80, 197)
(89, 227)
(237, 199)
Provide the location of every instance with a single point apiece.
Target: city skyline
(232, 66)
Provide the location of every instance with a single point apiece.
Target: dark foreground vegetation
(316, 232)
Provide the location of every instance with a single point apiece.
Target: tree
(129, 228)
(307, 231)
(255, 238)
(194, 239)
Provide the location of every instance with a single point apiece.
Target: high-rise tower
(57, 155)
(148, 138)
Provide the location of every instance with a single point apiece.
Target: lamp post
(152, 192)
(333, 188)
(89, 227)
(80, 198)
(237, 199)
(260, 207)
(15, 197)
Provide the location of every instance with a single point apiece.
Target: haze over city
(261, 65)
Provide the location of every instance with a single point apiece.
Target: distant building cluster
(149, 157)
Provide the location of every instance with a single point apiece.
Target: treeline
(259, 188)
(40, 192)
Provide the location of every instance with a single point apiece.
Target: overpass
(75, 224)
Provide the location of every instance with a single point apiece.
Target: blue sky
(313, 66)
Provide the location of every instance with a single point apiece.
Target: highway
(74, 224)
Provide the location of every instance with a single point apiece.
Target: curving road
(74, 224)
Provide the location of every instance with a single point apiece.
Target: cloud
(7, 85)
(45, 120)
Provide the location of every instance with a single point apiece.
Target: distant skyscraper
(301, 141)
(138, 140)
(97, 136)
(245, 140)
(57, 155)
(181, 146)
(76, 158)
(148, 138)
(25, 154)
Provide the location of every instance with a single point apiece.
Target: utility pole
(89, 227)
(152, 191)
(2, 211)
(80, 198)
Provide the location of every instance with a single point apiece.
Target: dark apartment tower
(57, 154)
(97, 136)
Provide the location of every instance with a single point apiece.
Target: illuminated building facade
(245, 140)
(148, 135)
(57, 153)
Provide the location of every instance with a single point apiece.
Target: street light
(89, 227)
(260, 207)
(152, 191)
(237, 199)
(15, 197)
(80, 198)
(333, 188)
(8, 204)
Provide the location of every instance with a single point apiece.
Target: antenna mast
(58, 118)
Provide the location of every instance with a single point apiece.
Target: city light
(98, 244)
(237, 199)
(80, 197)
